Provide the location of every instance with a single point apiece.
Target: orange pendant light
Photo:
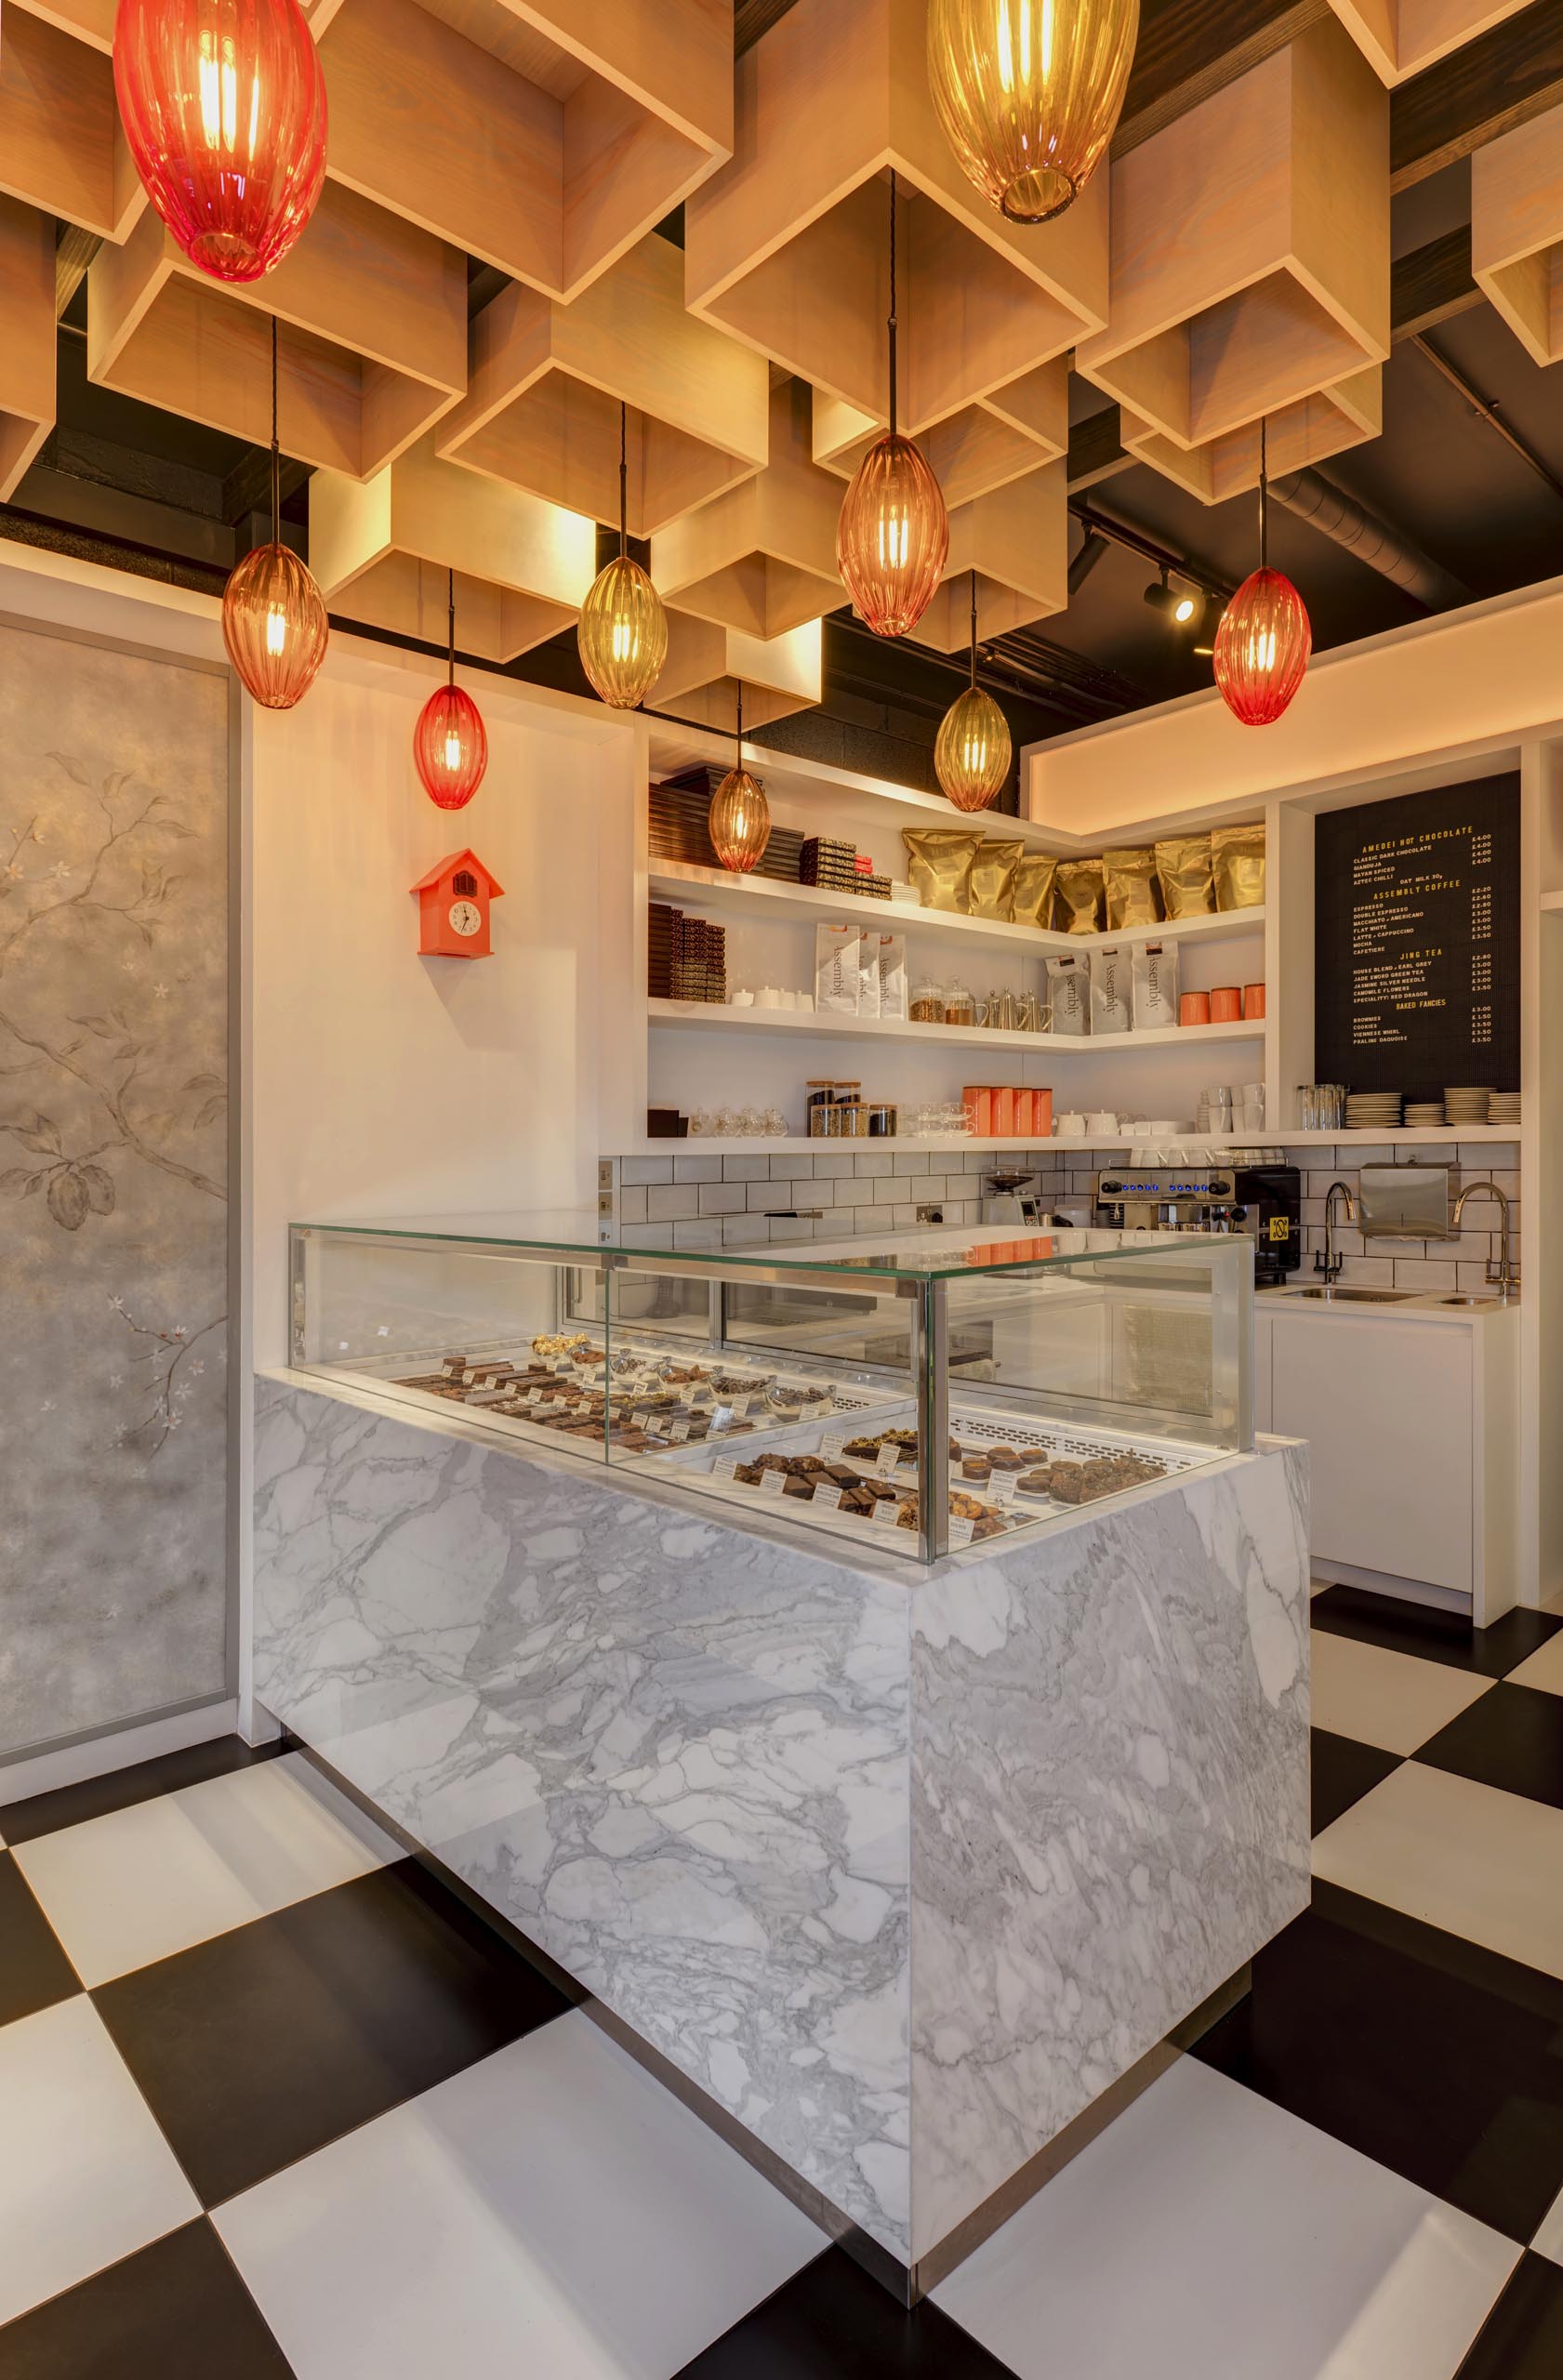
(622, 633)
(450, 741)
(1029, 93)
(892, 537)
(1265, 639)
(740, 815)
(273, 615)
(223, 103)
(972, 749)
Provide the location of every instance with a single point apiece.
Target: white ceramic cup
(741, 999)
(767, 996)
(1101, 1125)
(1072, 1128)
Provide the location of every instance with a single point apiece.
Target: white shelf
(814, 1024)
(905, 1144)
(756, 897)
(1417, 1136)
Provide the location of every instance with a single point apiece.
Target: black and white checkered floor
(273, 2102)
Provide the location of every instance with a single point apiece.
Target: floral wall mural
(114, 1139)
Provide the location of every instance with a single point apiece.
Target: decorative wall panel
(113, 1136)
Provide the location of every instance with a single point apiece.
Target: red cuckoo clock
(453, 901)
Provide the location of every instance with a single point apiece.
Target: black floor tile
(261, 2045)
(1522, 2339)
(1434, 1636)
(35, 1971)
(1512, 1738)
(1435, 2057)
(832, 2322)
(177, 2308)
(1342, 1771)
(47, 1813)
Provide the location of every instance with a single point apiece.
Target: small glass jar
(928, 1002)
(961, 1007)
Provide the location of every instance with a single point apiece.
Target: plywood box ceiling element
(1251, 246)
(787, 246)
(63, 147)
(542, 406)
(27, 349)
(762, 558)
(973, 452)
(365, 534)
(373, 334)
(1016, 540)
(1399, 37)
(706, 666)
(1516, 231)
(549, 180)
(1308, 431)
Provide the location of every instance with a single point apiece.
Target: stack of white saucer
(1504, 1108)
(1468, 1104)
(1425, 1114)
(1374, 1111)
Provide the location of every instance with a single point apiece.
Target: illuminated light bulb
(973, 750)
(739, 818)
(622, 632)
(274, 625)
(223, 103)
(450, 746)
(1262, 648)
(1029, 94)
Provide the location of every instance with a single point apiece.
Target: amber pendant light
(1029, 93)
(223, 103)
(274, 616)
(622, 633)
(450, 743)
(893, 537)
(972, 749)
(740, 815)
(1263, 644)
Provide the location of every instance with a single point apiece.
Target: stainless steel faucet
(1502, 1275)
(1325, 1260)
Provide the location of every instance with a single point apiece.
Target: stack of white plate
(1425, 1114)
(1374, 1111)
(1504, 1108)
(1468, 1105)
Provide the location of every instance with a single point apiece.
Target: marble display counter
(902, 1870)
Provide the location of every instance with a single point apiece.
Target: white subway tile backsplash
(833, 1164)
(785, 1227)
(633, 1207)
(785, 1166)
(637, 1172)
(722, 1197)
(704, 1237)
(697, 1168)
(872, 1163)
(745, 1168)
(672, 1205)
(745, 1231)
(887, 1190)
(1425, 1275)
(854, 1193)
(915, 1161)
(643, 1236)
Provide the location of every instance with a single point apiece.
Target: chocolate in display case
(925, 1394)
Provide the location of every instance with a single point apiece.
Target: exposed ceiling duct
(1339, 517)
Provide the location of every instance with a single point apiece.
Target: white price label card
(828, 1498)
(534, 1397)
(641, 1418)
(774, 1483)
(725, 1466)
(960, 1532)
(832, 1445)
(817, 1408)
(1001, 1486)
(888, 1510)
(679, 1433)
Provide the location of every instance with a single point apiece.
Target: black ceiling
(125, 484)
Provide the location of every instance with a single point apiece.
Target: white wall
(386, 1085)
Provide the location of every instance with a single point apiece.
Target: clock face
(465, 916)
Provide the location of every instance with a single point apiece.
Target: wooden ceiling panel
(1017, 541)
(982, 447)
(1516, 231)
(61, 145)
(761, 558)
(27, 352)
(1308, 431)
(1400, 37)
(707, 666)
(542, 407)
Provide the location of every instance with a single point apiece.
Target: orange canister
(1194, 1009)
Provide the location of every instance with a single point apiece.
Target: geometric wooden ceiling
(1017, 541)
(706, 667)
(1399, 37)
(761, 558)
(1308, 430)
(1516, 231)
(984, 446)
(27, 348)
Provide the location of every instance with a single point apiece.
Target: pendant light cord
(1264, 502)
(973, 631)
(892, 301)
(451, 596)
(741, 724)
(276, 467)
(623, 480)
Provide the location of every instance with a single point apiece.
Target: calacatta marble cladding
(1109, 1785)
(902, 1870)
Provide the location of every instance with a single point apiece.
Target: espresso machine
(1265, 1201)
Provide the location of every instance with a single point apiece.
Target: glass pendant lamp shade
(1030, 92)
(739, 818)
(972, 749)
(223, 103)
(450, 745)
(622, 634)
(893, 538)
(1262, 648)
(274, 625)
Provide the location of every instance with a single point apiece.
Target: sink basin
(1475, 1298)
(1337, 1296)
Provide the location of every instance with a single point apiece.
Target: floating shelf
(907, 1144)
(755, 897)
(811, 1023)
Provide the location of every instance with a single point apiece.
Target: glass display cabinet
(923, 1394)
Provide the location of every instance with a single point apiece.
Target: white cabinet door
(1388, 1413)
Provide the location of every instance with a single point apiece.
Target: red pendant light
(893, 537)
(273, 615)
(1263, 644)
(450, 741)
(739, 817)
(223, 103)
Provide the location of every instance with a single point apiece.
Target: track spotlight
(1181, 607)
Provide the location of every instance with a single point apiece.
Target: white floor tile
(143, 1883)
(1548, 2240)
(1543, 1668)
(1461, 1855)
(550, 2210)
(1390, 1699)
(1208, 2235)
(86, 2175)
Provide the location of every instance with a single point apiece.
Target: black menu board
(1417, 941)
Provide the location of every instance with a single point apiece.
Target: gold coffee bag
(1076, 888)
(1130, 878)
(1237, 862)
(1033, 890)
(993, 878)
(1183, 870)
(939, 862)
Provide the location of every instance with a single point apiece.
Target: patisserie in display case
(935, 1392)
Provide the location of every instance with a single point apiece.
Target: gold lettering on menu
(1396, 949)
